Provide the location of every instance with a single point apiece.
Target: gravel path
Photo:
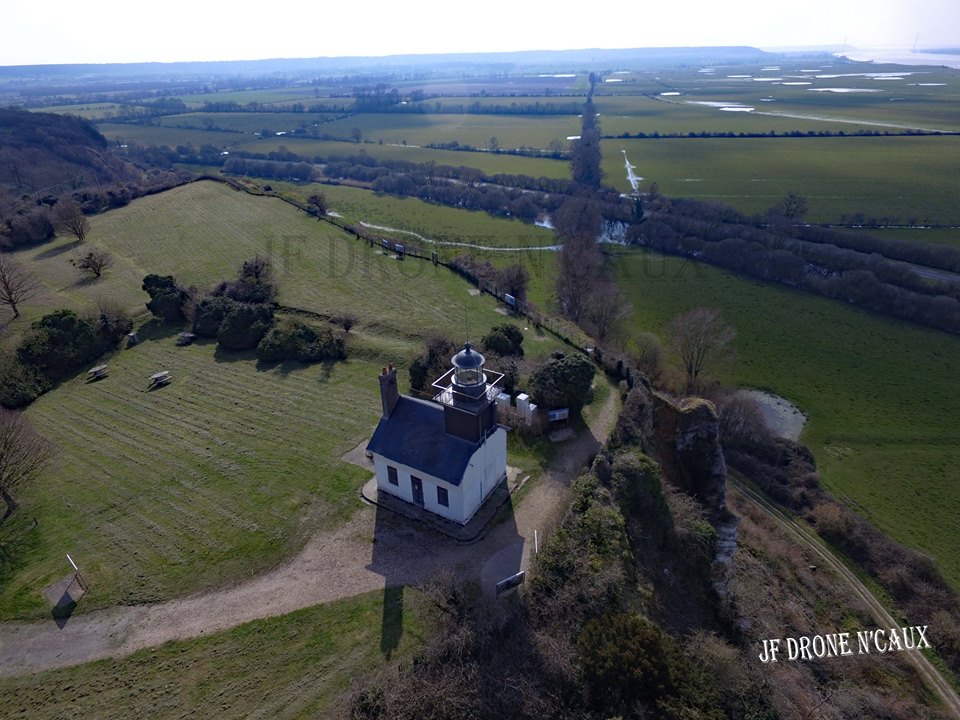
(375, 549)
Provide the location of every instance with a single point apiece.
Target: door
(417, 485)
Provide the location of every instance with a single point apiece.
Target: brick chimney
(389, 395)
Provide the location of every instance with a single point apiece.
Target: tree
(59, 343)
(209, 313)
(580, 262)
(254, 283)
(166, 297)
(513, 280)
(94, 262)
(625, 661)
(318, 203)
(16, 284)
(562, 382)
(244, 326)
(70, 219)
(347, 321)
(432, 362)
(23, 453)
(606, 306)
(790, 209)
(702, 340)
(504, 340)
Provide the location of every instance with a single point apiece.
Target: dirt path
(809, 539)
(370, 552)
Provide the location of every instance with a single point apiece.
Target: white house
(448, 455)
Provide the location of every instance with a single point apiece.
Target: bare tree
(16, 284)
(94, 261)
(702, 340)
(606, 306)
(70, 218)
(347, 321)
(580, 263)
(23, 453)
(648, 354)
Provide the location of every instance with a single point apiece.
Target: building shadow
(410, 551)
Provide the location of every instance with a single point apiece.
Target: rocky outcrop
(686, 440)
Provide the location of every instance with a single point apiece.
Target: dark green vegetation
(581, 641)
(300, 665)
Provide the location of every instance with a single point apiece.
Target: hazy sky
(68, 31)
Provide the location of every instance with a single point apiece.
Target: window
(442, 497)
(392, 475)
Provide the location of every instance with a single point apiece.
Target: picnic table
(100, 371)
(161, 378)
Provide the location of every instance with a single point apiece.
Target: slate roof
(414, 435)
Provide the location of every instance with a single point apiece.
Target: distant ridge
(592, 58)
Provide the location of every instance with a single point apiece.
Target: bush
(254, 283)
(58, 344)
(244, 326)
(506, 339)
(433, 362)
(19, 384)
(562, 382)
(209, 313)
(295, 340)
(166, 297)
(623, 659)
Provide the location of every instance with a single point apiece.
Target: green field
(280, 96)
(513, 131)
(230, 468)
(458, 231)
(125, 133)
(246, 122)
(301, 665)
(631, 114)
(902, 177)
(490, 163)
(88, 111)
(936, 236)
(880, 394)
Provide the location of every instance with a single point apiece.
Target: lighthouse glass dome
(468, 368)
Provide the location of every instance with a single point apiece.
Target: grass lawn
(880, 394)
(214, 478)
(230, 468)
(301, 665)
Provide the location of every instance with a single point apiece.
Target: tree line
(719, 236)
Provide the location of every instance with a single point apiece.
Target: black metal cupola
(468, 376)
(467, 394)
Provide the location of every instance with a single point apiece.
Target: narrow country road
(333, 565)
